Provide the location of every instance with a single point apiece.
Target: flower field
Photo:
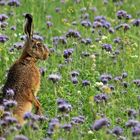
(90, 83)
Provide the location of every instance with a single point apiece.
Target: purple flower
(98, 124)
(63, 106)
(121, 14)
(99, 18)
(54, 77)
(3, 38)
(118, 78)
(57, 9)
(97, 24)
(137, 82)
(100, 98)
(132, 123)
(13, 28)
(86, 23)
(6, 113)
(117, 40)
(85, 16)
(111, 87)
(54, 123)
(8, 104)
(105, 78)
(10, 120)
(3, 25)
(18, 45)
(67, 53)
(85, 83)
(38, 37)
(111, 30)
(106, 24)
(10, 93)
(78, 120)
(117, 130)
(74, 73)
(48, 17)
(86, 41)
(49, 24)
(124, 75)
(20, 137)
(107, 47)
(136, 22)
(136, 130)
(42, 71)
(125, 27)
(73, 33)
(74, 80)
(3, 17)
(13, 3)
(125, 84)
(2, 2)
(93, 9)
(28, 116)
(66, 127)
(132, 113)
(60, 39)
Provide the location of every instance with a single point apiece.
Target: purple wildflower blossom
(98, 124)
(13, 3)
(107, 47)
(100, 98)
(117, 130)
(73, 33)
(136, 22)
(3, 38)
(64, 106)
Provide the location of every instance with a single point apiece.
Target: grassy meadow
(90, 82)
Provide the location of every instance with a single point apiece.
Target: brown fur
(24, 78)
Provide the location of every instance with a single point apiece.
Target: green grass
(78, 96)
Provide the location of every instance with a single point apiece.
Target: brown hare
(24, 76)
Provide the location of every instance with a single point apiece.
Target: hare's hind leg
(38, 109)
(21, 109)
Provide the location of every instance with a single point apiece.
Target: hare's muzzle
(46, 53)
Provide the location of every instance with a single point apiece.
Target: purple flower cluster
(137, 82)
(54, 77)
(86, 41)
(63, 106)
(13, 3)
(67, 53)
(74, 77)
(86, 23)
(136, 22)
(3, 17)
(102, 97)
(107, 47)
(57, 40)
(73, 33)
(123, 15)
(100, 21)
(98, 124)
(105, 78)
(3, 38)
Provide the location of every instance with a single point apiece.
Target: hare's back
(22, 77)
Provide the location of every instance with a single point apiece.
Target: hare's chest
(35, 81)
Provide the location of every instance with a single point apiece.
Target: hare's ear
(28, 27)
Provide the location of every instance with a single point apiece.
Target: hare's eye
(35, 46)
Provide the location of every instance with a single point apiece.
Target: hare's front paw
(38, 111)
